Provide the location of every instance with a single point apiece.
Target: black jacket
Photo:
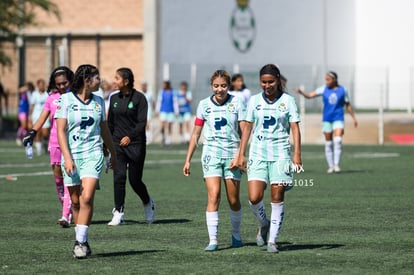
(127, 116)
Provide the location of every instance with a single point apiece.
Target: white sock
(235, 218)
(187, 137)
(337, 144)
(329, 153)
(38, 146)
(212, 220)
(259, 212)
(276, 220)
(82, 233)
(168, 140)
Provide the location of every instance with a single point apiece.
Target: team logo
(207, 110)
(232, 108)
(74, 107)
(55, 102)
(333, 98)
(206, 159)
(115, 104)
(97, 107)
(130, 105)
(258, 107)
(282, 108)
(242, 26)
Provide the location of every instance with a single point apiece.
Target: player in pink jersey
(59, 83)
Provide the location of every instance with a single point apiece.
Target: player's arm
(195, 136)
(247, 127)
(297, 160)
(307, 95)
(107, 139)
(69, 165)
(352, 113)
(44, 115)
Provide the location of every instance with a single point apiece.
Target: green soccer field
(356, 222)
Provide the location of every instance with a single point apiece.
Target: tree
(15, 15)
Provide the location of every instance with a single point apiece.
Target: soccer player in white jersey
(220, 115)
(270, 117)
(335, 97)
(81, 122)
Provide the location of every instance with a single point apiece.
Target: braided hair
(83, 73)
(58, 71)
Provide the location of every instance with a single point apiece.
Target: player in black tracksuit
(127, 118)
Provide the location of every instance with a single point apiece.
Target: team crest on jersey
(282, 107)
(232, 108)
(130, 105)
(115, 104)
(97, 107)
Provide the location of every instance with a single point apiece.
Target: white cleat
(149, 210)
(117, 218)
(336, 169)
(330, 170)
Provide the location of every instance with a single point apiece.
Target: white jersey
(38, 99)
(271, 129)
(221, 125)
(83, 130)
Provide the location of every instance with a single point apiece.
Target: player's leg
(168, 138)
(213, 185)
(119, 175)
(328, 133)
(257, 177)
(38, 141)
(233, 198)
(187, 127)
(338, 132)
(277, 192)
(137, 154)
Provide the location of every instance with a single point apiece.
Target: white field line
(175, 161)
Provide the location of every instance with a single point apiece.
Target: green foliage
(18, 14)
(356, 222)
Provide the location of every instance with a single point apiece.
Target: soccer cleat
(81, 250)
(272, 248)
(330, 170)
(117, 218)
(63, 222)
(262, 234)
(149, 210)
(211, 247)
(235, 242)
(336, 169)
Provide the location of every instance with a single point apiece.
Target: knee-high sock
(82, 233)
(276, 221)
(337, 141)
(60, 188)
(67, 204)
(329, 153)
(259, 212)
(235, 218)
(212, 220)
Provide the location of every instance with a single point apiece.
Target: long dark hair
(83, 73)
(273, 70)
(126, 73)
(58, 71)
(234, 78)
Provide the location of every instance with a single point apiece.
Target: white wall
(384, 43)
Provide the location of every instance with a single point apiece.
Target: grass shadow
(130, 222)
(292, 247)
(124, 253)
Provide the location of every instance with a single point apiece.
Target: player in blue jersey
(270, 117)
(81, 123)
(184, 97)
(335, 98)
(220, 115)
(167, 108)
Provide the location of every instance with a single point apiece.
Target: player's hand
(297, 165)
(113, 162)
(234, 163)
(29, 138)
(70, 167)
(242, 163)
(125, 141)
(355, 123)
(186, 169)
(299, 91)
